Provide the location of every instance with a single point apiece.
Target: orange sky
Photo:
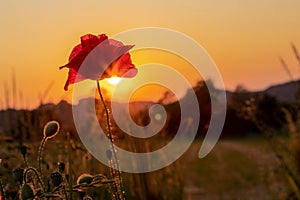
(244, 38)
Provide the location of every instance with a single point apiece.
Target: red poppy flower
(97, 58)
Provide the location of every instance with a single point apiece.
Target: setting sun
(114, 80)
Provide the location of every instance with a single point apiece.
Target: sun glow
(114, 80)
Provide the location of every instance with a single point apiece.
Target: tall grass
(286, 146)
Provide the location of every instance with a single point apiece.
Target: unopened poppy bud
(85, 178)
(18, 175)
(23, 150)
(51, 129)
(26, 192)
(56, 179)
(61, 167)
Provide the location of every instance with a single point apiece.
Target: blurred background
(255, 46)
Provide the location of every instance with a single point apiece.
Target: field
(235, 169)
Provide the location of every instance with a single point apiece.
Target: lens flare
(114, 80)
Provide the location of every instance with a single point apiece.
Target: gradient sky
(244, 38)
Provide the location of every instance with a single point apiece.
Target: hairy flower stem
(118, 184)
(27, 166)
(40, 156)
(37, 175)
(25, 161)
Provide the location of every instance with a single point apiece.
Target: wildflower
(111, 59)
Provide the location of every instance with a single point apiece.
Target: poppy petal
(99, 58)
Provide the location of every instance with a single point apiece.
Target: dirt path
(233, 170)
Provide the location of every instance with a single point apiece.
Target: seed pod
(51, 129)
(18, 175)
(85, 178)
(26, 192)
(61, 167)
(56, 179)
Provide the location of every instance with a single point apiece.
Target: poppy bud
(23, 150)
(61, 167)
(51, 129)
(18, 175)
(109, 154)
(27, 192)
(56, 179)
(85, 178)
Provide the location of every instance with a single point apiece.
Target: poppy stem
(40, 154)
(37, 175)
(118, 181)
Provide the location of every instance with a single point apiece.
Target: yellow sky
(244, 38)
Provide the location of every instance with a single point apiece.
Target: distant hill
(284, 92)
(30, 122)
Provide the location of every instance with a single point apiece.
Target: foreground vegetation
(235, 169)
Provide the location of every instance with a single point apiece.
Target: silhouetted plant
(33, 184)
(273, 118)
